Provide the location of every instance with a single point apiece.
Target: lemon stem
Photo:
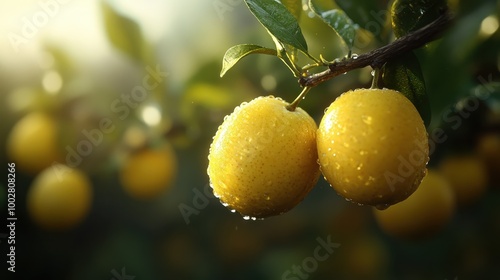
(297, 100)
(376, 78)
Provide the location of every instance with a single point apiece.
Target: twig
(378, 57)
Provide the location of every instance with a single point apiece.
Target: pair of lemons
(371, 146)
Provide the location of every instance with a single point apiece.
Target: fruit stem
(376, 78)
(292, 106)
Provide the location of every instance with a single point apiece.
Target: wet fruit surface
(263, 158)
(373, 147)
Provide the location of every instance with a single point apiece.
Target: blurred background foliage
(76, 61)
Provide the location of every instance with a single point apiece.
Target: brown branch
(378, 57)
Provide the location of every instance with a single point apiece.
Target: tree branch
(378, 57)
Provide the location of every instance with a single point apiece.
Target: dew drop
(359, 166)
(367, 119)
(354, 56)
(373, 73)
(246, 218)
(382, 206)
(233, 211)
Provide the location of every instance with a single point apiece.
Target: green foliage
(404, 74)
(410, 15)
(124, 33)
(279, 22)
(338, 21)
(235, 53)
(366, 13)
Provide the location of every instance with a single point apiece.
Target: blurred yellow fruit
(149, 172)
(373, 147)
(488, 148)
(32, 143)
(422, 214)
(467, 176)
(263, 158)
(59, 198)
(365, 257)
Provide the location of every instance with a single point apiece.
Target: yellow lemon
(59, 198)
(149, 172)
(263, 158)
(32, 143)
(467, 176)
(373, 147)
(422, 214)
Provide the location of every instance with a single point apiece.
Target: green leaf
(368, 14)
(411, 15)
(279, 22)
(294, 7)
(123, 32)
(404, 74)
(338, 21)
(235, 53)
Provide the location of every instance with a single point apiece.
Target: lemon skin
(263, 158)
(373, 146)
